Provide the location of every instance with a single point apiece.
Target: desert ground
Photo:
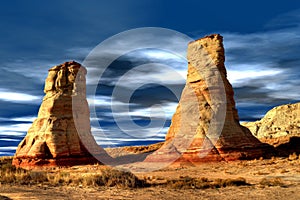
(276, 178)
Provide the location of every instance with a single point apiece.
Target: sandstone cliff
(205, 126)
(54, 137)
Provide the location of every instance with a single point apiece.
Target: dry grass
(272, 182)
(109, 177)
(276, 178)
(203, 183)
(102, 176)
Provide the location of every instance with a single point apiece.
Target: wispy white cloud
(23, 119)
(164, 110)
(8, 148)
(9, 139)
(11, 96)
(12, 133)
(15, 129)
(105, 101)
(163, 74)
(37, 72)
(248, 73)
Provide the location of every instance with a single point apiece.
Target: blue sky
(261, 39)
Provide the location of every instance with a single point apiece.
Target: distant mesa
(207, 107)
(53, 139)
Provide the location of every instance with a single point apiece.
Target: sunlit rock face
(280, 127)
(205, 126)
(280, 121)
(55, 139)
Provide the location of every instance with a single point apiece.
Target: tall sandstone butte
(205, 126)
(54, 139)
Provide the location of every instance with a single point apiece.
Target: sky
(261, 39)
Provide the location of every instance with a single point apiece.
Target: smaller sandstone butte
(205, 126)
(280, 127)
(54, 139)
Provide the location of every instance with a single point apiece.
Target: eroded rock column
(54, 139)
(205, 126)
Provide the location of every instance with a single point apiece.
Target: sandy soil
(277, 178)
(249, 192)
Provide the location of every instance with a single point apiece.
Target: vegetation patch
(272, 182)
(109, 177)
(106, 177)
(203, 183)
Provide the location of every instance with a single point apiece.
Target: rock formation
(55, 138)
(279, 127)
(205, 126)
(280, 121)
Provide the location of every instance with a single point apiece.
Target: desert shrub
(230, 182)
(113, 177)
(203, 183)
(38, 176)
(272, 182)
(110, 178)
(7, 178)
(187, 182)
(31, 177)
(9, 173)
(7, 167)
(91, 180)
(59, 178)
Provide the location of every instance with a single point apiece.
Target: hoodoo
(54, 139)
(205, 126)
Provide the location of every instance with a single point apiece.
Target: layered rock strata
(60, 134)
(205, 126)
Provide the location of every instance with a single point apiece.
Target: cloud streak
(18, 97)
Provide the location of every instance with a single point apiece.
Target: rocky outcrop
(280, 127)
(60, 134)
(205, 126)
(280, 121)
